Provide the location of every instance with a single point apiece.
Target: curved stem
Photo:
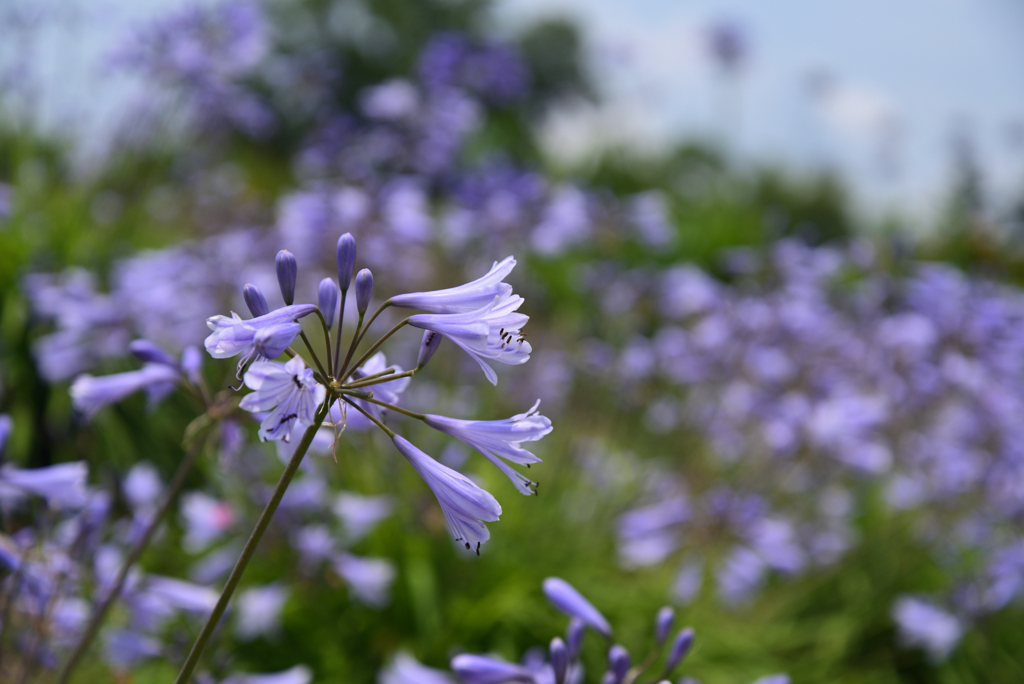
(327, 342)
(392, 407)
(360, 332)
(316, 359)
(250, 548)
(369, 352)
(100, 612)
(378, 378)
(382, 426)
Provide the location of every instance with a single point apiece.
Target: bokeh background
(771, 256)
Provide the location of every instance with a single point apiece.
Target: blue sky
(902, 75)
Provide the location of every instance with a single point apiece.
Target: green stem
(378, 378)
(327, 342)
(369, 352)
(250, 548)
(392, 407)
(337, 340)
(382, 426)
(316, 359)
(360, 332)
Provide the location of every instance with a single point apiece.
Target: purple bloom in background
(289, 391)
(465, 298)
(300, 674)
(405, 669)
(927, 626)
(477, 669)
(6, 428)
(369, 579)
(360, 514)
(500, 439)
(465, 505)
(567, 599)
(63, 486)
(491, 333)
(258, 611)
(91, 394)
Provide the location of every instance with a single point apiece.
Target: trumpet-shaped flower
(62, 485)
(289, 391)
(490, 333)
(91, 394)
(465, 505)
(233, 335)
(464, 298)
(567, 599)
(500, 439)
(478, 669)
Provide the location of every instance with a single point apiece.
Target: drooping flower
(289, 391)
(567, 599)
(490, 333)
(62, 485)
(465, 505)
(500, 439)
(464, 298)
(91, 394)
(478, 669)
(233, 335)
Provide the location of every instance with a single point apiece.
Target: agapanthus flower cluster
(481, 318)
(560, 663)
(817, 375)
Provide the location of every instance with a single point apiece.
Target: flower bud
(287, 272)
(574, 637)
(428, 345)
(663, 624)
(618, 662)
(680, 647)
(346, 260)
(272, 340)
(559, 659)
(328, 297)
(255, 300)
(146, 351)
(364, 288)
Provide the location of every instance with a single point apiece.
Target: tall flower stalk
(479, 317)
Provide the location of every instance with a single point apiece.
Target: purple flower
(618, 663)
(300, 674)
(271, 341)
(233, 336)
(491, 333)
(477, 669)
(369, 579)
(6, 427)
(465, 505)
(359, 514)
(567, 599)
(91, 394)
(327, 296)
(289, 391)
(62, 485)
(924, 624)
(500, 439)
(680, 647)
(465, 298)
(405, 669)
(258, 611)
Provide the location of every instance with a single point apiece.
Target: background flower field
(799, 426)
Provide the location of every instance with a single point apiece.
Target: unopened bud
(287, 272)
(346, 260)
(328, 298)
(364, 288)
(146, 351)
(255, 300)
(574, 637)
(618, 662)
(559, 659)
(428, 345)
(680, 647)
(663, 624)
